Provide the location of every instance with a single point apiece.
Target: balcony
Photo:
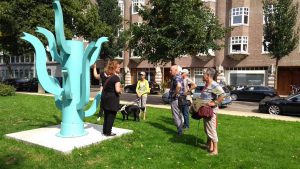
(238, 55)
(136, 59)
(206, 57)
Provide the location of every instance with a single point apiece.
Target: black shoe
(111, 134)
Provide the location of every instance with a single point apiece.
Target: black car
(29, 85)
(253, 93)
(197, 93)
(289, 105)
(154, 88)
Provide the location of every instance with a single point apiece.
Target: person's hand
(139, 95)
(211, 104)
(94, 65)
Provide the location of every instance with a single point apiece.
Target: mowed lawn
(243, 142)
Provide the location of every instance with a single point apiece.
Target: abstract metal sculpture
(74, 94)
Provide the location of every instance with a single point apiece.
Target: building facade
(243, 60)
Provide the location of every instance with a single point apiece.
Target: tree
(173, 28)
(110, 14)
(281, 36)
(81, 18)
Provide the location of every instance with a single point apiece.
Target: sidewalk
(221, 111)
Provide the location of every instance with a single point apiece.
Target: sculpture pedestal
(46, 137)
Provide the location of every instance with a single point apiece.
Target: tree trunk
(173, 62)
(276, 73)
(6, 60)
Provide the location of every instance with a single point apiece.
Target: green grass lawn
(243, 142)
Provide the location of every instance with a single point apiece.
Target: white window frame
(137, 3)
(198, 72)
(230, 72)
(271, 7)
(120, 57)
(240, 11)
(132, 54)
(239, 40)
(121, 6)
(263, 51)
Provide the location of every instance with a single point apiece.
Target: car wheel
(273, 109)
(234, 97)
(127, 90)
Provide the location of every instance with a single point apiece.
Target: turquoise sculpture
(72, 97)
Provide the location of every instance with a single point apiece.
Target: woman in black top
(110, 98)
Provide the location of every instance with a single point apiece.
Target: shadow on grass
(11, 160)
(47, 123)
(186, 138)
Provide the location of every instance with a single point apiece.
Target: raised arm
(96, 75)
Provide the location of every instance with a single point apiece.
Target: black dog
(134, 110)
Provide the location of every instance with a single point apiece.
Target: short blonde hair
(111, 67)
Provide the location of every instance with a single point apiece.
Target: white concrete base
(46, 137)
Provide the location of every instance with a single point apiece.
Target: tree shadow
(11, 160)
(186, 138)
(47, 123)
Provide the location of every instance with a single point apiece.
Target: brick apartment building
(243, 61)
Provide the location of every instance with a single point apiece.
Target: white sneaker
(98, 119)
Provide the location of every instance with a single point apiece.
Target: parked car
(227, 98)
(197, 93)
(253, 93)
(278, 105)
(29, 85)
(154, 88)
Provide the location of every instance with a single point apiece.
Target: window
(12, 59)
(27, 59)
(121, 5)
(31, 73)
(32, 59)
(17, 74)
(239, 16)
(1, 59)
(21, 73)
(22, 59)
(26, 73)
(121, 54)
(244, 78)
(49, 71)
(17, 59)
(265, 49)
(136, 4)
(134, 54)
(271, 10)
(198, 76)
(239, 44)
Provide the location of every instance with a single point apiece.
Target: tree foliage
(110, 14)
(81, 18)
(173, 28)
(281, 36)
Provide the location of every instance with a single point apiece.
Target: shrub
(7, 90)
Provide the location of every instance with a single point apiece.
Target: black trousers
(100, 114)
(109, 118)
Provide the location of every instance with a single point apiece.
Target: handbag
(203, 112)
(206, 112)
(182, 101)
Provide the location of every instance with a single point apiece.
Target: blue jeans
(185, 112)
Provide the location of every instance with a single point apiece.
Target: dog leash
(197, 132)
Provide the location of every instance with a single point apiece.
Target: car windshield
(292, 95)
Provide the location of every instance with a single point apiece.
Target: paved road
(156, 100)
